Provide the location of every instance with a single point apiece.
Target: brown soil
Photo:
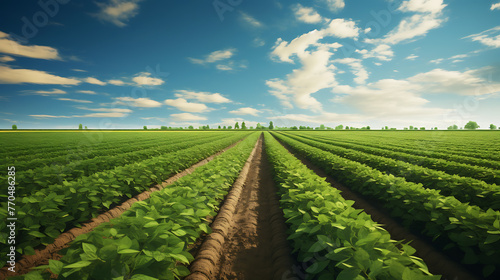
(43, 256)
(249, 233)
(437, 262)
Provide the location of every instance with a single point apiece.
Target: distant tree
(271, 125)
(258, 126)
(190, 127)
(293, 127)
(322, 127)
(229, 127)
(406, 128)
(435, 128)
(145, 127)
(163, 127)
(346, 127)
(368, 127)
(243, 125)
(422, 128)
(493, 127)
(251, 127)
(453, 127)
(219, 127)
(14, 127)
(386, 127)
(339, 127)
(393, 128)
(86, 127)
(411, 127)
(236, 126)
(471, 125)
(225, 127)
(80, 126)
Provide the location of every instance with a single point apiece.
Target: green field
(442, 186)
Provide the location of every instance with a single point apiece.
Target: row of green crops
(339, 242)
(490, 176)
(441, 154)
(465, 189)
(38, 178)
(46, 213)
(474, 232)
(151, 239)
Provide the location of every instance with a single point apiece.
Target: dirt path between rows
(249, 232)
(43, 256)
(437, 262)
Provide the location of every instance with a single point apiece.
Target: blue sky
(129, 63)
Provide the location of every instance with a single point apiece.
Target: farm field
(252, 205)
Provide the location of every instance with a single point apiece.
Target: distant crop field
(142, 205)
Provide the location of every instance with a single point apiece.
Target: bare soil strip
(42, 256)
(249, 233)
(437, 262)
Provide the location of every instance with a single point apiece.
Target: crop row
(44, 214)
(474, 232)
(465, 189)
(151, 239)
(488, 175)
(39, 178)
(424, 152)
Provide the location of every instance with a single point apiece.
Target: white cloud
(6, 58)
(145, 79)
(422, 6)
(48, 117)
(86, 91)
(342, 28)
(54, 91)
(9, 46)
(381, 52)
(107, 110)
(377, 63)
(138, 102)
(79, 70)
(116, 82)
(250, 20)
(437, 61)
(92, 80)
(490, 37)
(183, 105)
(411, 57)
(335, 5)
(205, 97)
(224, 67)
(307, 14)
(74, 100)
(18, 76)
(215, 56)
(495, 6)
(118, 12)
(259, 42)
(246, 111)
(187, 117)
(357, 68)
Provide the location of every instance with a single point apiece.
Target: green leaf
(143, 277)
(349, 274)
(79, 264)
(151, 224)
(128, 251)
(37, 234)
(89, 248)
(317, 267)
(55, 266)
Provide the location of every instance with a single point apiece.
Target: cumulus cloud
(118, 12)
(137, 102)
(357, 68)
(246, 111)
(94, 81)
(75, 100)
(215, 56)
(183, 105)
(342, 28)
(145, 79)
(490, 37)
(307, 14)
(205, 97)
(116, 82)
(187, 117)
(335, 5)
(495, 6)
(19, 76)
(10, 46)
(381, 52)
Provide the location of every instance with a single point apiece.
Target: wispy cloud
(19, 76)
(490, 37)
(205, 97)
(246, 111)
(9, 46)
(214, 56)
(94, 81)
(146, 79)
(52, 92)
(107, 110)
(183, 105)
(79, 70)
(250, 20)
(116, 82)
(137, 102)
(86, 91)
(118, 12)
(6, 58)
(411, 57)
(495, 6)
(187, 117)
(75, 100)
